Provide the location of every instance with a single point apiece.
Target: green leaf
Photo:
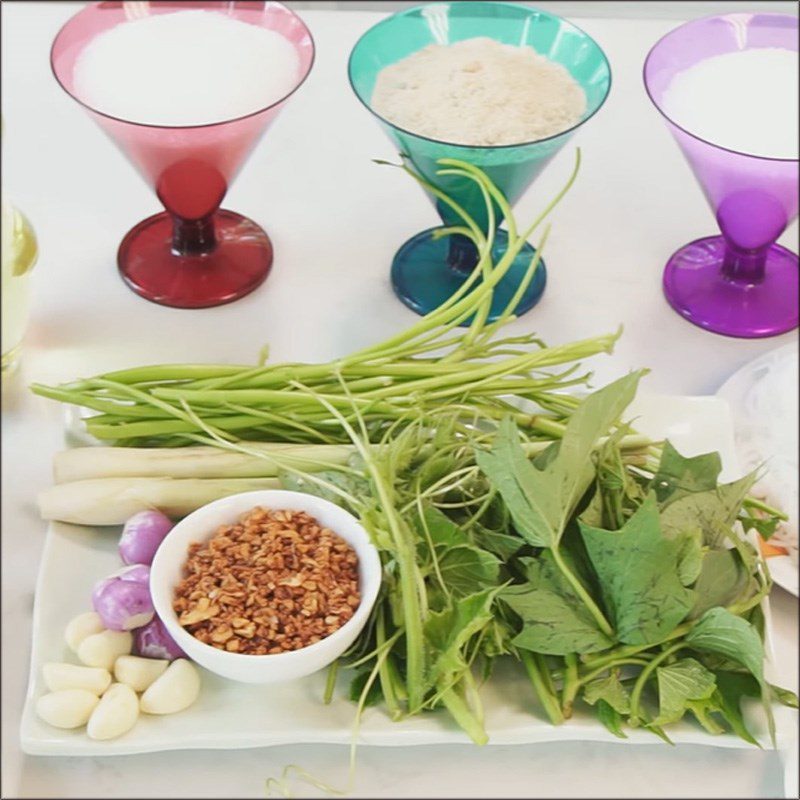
(610, 690)
(678, 475)
(554, 619)
(374, 695)
(501, 544)
(553, 625)
(611, 718)
(679, 683)
(690, 555)
(764, 526)
(527, 493)
(466, 568)
(731, 688)
(722, 580)
(541, 501)
(638, 572)
(713, 511)
(702, 710)
(441, 529)
(720, 631)
(592, 515)
(785, 696)
(447, 631)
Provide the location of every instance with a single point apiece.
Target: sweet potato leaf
(442, 530)
(638, 572)
(541, 497)
(722, 579)
(702, 711)
(731, 688)
(713, 511)
(678, 475)
(467, 568)
(690, 555)
(611, 718)
(554, 619)
(501, 544)
(679, 683)
(610, 690)
(720, 631)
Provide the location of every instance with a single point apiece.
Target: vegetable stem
(585, 597)
(547, 698)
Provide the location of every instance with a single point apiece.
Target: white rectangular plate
(229, 715)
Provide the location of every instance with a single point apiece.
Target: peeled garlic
(69, 708)
(138, 672)
(175, 690)
(69, 676)
(115, 714)
(103, 649)
(80, 627)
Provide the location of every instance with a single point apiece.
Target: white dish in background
(752, 450)
(231, 715)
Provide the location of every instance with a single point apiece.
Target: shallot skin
(142, 535)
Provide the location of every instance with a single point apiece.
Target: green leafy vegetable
(679, 683)
(719, 631)
(723, 577)
(610, 690)
(679, 476)
(638, 572)
(611, 718)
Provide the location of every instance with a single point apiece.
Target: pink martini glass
(740, 283)
(194, 254)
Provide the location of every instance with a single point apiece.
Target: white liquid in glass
(185, 68)
(745, 101)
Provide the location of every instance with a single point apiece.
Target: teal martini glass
(430, 267)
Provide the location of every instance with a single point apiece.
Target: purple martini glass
(740, 283)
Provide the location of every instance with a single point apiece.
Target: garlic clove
(137, 672)
(103, 649)
(78, 628)
(174, 691)
(68, 708)
(58, 676)
(115, 714)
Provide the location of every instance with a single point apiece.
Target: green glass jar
(19, 253)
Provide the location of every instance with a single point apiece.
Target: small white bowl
(167, 571)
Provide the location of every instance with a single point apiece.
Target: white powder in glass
(185, 68)
(479, 92)
(745, 101)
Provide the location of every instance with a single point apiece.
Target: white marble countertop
(336, 219)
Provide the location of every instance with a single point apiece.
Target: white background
(336, 219)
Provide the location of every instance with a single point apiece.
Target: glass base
(240, 261)
(10, 360)
(697, 290)
(423, 279)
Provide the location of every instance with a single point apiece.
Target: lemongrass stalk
(111, 501)
(81, 463)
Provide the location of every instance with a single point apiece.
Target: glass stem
(193, 237)
(463, 255)
(744, 266)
